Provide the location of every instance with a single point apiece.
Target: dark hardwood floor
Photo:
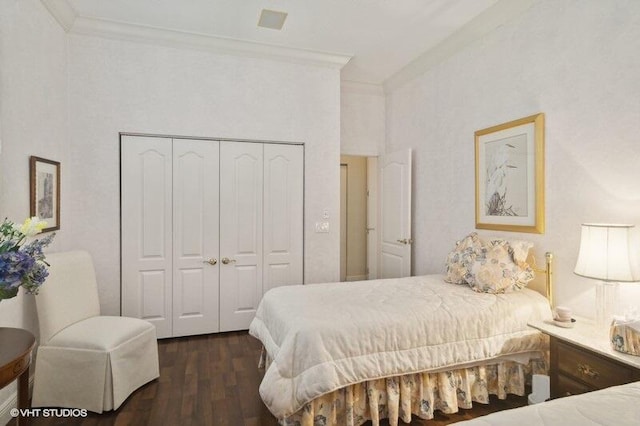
(213, 380)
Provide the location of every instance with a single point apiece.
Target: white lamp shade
(605, 253)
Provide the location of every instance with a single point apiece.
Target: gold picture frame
(509, 166)
(44, 200)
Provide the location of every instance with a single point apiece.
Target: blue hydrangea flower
(22, 264)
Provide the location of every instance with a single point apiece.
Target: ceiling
(380, 36)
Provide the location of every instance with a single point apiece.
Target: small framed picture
(510, 176)
(44, 178)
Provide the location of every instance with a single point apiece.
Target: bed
(345, 353)
(615, 406)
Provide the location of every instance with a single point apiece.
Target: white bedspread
(322, 337)
(616, 406)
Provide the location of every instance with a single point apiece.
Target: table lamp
(604, 255)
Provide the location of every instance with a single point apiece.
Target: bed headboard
(543, 282)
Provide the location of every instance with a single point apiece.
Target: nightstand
(582, 359)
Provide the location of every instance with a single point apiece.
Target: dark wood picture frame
(44, 199)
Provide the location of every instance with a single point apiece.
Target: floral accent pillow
(461, 257)
(500, 267)
(520, 250)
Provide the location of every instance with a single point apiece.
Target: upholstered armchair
(86, 360)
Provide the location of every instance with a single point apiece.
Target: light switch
(322, 227)
(325, 214)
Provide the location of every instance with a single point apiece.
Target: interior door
(394, 219)
(146, 230)
(283, 215)
(241, 179)
(195, 237)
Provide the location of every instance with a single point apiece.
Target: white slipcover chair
(86, 360)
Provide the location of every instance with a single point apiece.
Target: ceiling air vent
(272, 19)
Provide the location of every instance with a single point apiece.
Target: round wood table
(16, 346)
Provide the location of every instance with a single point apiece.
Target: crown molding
(350, 86)
(498, 14)
(75, 24)
(62, 12)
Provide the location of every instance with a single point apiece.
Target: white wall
(121, 86)
(362, 119)
(575, 60)
(33, 113)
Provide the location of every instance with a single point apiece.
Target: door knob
(405, 241)
(226, 260)
(211, 261)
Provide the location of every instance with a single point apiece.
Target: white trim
(62, 11)
(349, 86)
(481, 25)
(75, 24)
(356, 277)
(11, 402)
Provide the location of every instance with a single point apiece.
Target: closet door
(241, 173)
(146, 210)
(195, 237)
(283, 203)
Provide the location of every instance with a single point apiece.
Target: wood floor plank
(213, 380)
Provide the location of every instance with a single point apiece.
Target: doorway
(358, 256)
(375, 234)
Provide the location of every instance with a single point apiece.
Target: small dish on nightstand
(565, 324)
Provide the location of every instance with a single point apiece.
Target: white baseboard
(11, 402)
(356, 277)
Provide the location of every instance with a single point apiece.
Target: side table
(16, 346)
(582, 359)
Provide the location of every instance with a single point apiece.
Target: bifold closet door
(146, 210)
(241, 180)
(195, 237)
(170, 228)
(207, 228)
(283, 215)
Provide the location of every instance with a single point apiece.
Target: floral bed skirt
(419, 394)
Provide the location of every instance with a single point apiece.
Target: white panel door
(241, 178)
(394, 175)
(146, 230)
(195, 237)
(283, 213)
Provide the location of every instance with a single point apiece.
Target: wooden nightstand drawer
(589, 368)
(568, 387)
